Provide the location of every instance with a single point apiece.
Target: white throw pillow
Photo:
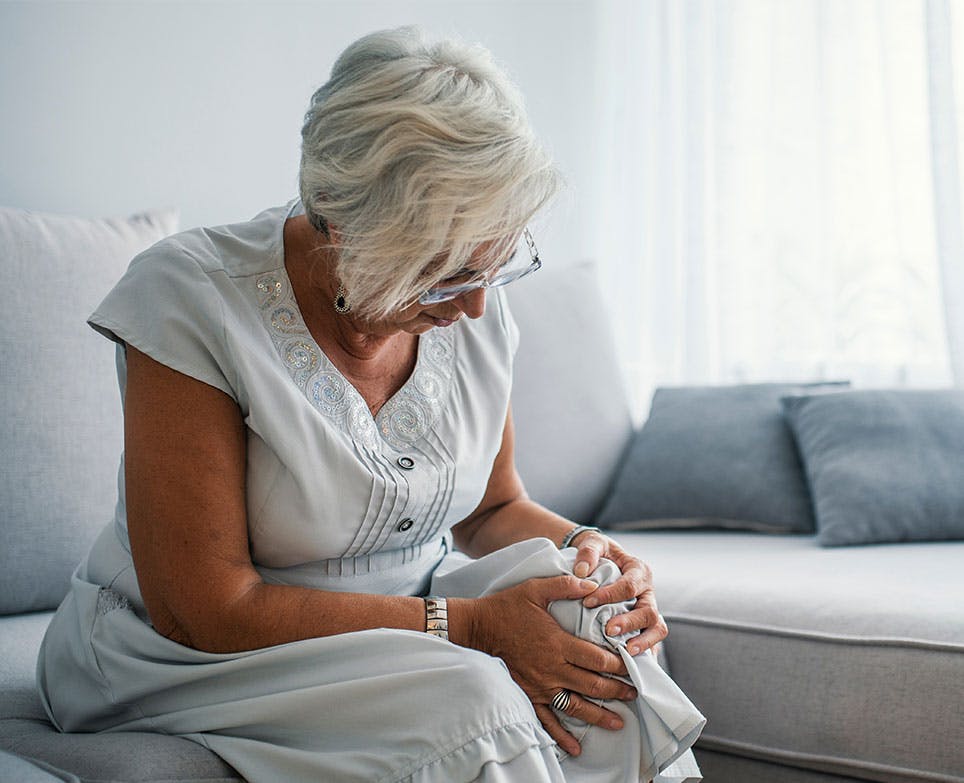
(60, 416)
(569, 402)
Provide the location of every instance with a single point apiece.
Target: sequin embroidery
(403, 420)
(109, 600)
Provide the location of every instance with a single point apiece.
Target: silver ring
(561, 700)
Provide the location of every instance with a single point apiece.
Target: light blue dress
(336, 500)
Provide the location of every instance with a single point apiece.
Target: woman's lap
(374, 705)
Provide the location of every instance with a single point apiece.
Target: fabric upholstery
(60, 421)
(20, 637)
(16, 768)
(570, 407)
(883, 465)
(714, 456)
(128, 757)
(726, 768)
(118, 757)
(844, 661)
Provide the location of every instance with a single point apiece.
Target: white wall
(107, 108)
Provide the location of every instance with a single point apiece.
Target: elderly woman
(316, 414)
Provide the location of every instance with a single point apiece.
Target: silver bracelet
(567, 541)
(436, 617)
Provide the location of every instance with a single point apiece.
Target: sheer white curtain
(779, 190)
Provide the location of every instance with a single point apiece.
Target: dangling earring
(341, 300)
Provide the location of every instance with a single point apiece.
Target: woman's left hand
(636, 583)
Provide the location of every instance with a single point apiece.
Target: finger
(557, 588)
(631, 584)
(626, 561)
(591, 548)
(583, 709)
(593, 658)
(551, 724)
(640, 618)
(595, 686)
(648, 638)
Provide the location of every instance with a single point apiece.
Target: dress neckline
(404, 418)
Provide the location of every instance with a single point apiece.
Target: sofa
(813, 663)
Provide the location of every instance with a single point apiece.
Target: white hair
(418, 155)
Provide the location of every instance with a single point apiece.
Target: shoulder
(172, 302)
(233, 250)
(196, 271)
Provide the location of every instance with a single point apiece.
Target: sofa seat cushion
(845, 661)
(131, 757)
(15, 768)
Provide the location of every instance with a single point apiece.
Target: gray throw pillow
(715, 456)
(883, 466)
(60, 416)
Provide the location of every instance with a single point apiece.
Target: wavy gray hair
(418, 155)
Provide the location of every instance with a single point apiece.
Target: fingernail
(630, 694)
(588, 584)
(615, 630)
(581, 569)
(633, 649)
(591, 602)
(614, 723)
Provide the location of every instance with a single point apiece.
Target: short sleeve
(169, 308)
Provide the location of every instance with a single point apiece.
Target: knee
(606, 571)
(584, 622)
(484, 682)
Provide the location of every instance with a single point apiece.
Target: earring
(341, 300)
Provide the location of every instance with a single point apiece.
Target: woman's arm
(507, 514)
(185, 476)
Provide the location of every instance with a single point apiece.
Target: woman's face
(419, 318)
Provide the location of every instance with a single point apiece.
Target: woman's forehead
(488, 255)
(483, 260)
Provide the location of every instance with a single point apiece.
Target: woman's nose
(472, 303)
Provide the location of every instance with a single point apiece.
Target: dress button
(405, 524)
(405, 463)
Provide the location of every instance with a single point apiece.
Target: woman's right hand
(515, 625)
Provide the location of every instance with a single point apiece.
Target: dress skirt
(376, 705)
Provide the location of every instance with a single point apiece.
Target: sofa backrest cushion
(61, 426)
(570, 406)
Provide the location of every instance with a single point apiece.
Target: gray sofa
(812, 665)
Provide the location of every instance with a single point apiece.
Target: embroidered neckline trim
(410, 413)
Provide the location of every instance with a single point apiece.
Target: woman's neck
(310, 266)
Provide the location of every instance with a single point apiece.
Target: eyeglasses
(445, 293)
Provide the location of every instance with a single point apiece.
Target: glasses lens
(511, 275)
(443, 294)
(520, 264)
